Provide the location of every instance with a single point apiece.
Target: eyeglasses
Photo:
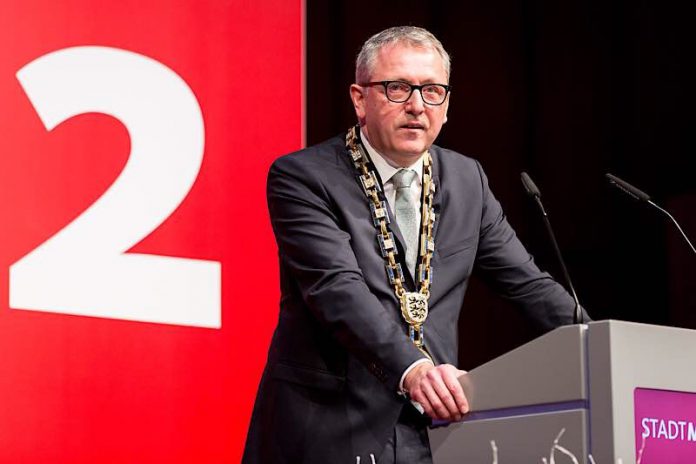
(400, 91)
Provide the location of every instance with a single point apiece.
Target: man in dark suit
(367, 332)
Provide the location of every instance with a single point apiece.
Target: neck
(403, 161)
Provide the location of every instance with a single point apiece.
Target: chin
(411, 150)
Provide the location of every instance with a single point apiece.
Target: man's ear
(357, 95)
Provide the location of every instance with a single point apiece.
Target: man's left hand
(437, 389)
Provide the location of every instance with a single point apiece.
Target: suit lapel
(437, 199)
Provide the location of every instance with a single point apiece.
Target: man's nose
(415, 103)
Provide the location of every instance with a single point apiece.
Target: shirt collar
(385, 168)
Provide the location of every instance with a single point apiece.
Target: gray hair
(409, 35)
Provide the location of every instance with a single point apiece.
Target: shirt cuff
(409, 369)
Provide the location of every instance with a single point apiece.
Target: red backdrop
(167, 112)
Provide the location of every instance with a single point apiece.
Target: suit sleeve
(317, 251)
(507, 267)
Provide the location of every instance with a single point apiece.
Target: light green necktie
(406, 210)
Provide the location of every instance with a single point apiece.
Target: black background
(566, 90)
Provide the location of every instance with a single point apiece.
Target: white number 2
(84, 268)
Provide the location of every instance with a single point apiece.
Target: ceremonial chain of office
(414, 305)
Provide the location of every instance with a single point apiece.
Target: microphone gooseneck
(642, 196)
(534, 192)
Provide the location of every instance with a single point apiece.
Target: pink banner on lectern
(665, 426)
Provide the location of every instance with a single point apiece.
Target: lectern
(618, 389)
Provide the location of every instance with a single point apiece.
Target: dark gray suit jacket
(329, 390)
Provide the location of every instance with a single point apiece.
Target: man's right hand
(437, 389)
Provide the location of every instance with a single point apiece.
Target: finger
(443, 392)
(455, 388)
(440, 411)
(420, 398)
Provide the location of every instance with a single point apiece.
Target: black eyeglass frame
(413, 87)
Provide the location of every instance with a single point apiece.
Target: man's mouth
(413, 125)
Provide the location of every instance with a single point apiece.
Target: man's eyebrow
(409, 81)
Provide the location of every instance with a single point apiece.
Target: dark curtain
(566, 91)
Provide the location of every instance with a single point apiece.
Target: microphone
(533, 191)
(530, 187)
(642, 196)
(628, 188)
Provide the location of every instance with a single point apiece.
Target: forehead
(409, 63)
